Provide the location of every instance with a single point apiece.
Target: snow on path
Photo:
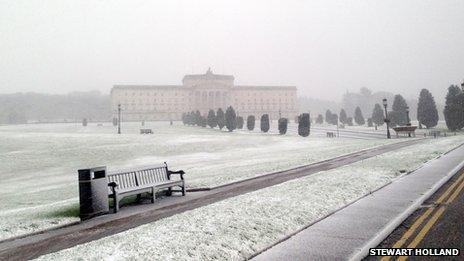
(235, 228)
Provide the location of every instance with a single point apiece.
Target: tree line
(19, 108)
(231, 121)
(427, 113)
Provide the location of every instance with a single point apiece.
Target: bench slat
(139, 177)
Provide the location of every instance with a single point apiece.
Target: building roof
(257, 87)
(209, 75)
(142, 86)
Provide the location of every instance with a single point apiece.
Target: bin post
(93, 192)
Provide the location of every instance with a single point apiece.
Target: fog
(325, 48)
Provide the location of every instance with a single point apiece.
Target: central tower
(210, 91)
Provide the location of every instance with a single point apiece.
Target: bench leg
(153, 197)
(169, 193)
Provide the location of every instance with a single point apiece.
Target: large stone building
(202, 92)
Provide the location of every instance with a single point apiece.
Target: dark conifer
(221, 121)
(343, 117)
(283, 122)
(239, 122)
(358, 116)
(212, 120)
(427, 113)
(265, 123)
(251, 122)
(304, 125)
(231, 119)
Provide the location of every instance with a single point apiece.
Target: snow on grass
(235, 228)
(40, 161)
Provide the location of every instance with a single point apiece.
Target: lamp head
(384, 101)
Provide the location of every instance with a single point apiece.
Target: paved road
(58, 239)
(349, 233)
(437, 224)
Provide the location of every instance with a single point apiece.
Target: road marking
(424, 216)
(433, 220)
(455, 194)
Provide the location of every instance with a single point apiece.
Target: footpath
(349, 233)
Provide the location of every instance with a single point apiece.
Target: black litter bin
(93, 192)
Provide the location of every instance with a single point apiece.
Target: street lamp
(119, 118)
(408, 121)
(387, 121)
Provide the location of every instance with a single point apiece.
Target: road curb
(390, 227)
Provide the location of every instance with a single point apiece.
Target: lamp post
(387, 121)
(119, 118)
(408, 121)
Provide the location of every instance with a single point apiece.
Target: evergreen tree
(192, 118)
(377, 115)
(221, 121)
(398, 115)
(349, 121)
(203, 121)
(231, 119)
(369, 123)
(304, 124)
(265, 123)
(334, 119)
(343, 117)
(454, 108)
(239, 122)
(328, 116)
(283, 122)
(212, 120)
(251, 122)
(198, 120)
(358, 116)
(320, 119)
(427, 112)
(188, 118)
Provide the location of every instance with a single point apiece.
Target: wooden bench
(146, 131)
(150, 180)
(406, 130)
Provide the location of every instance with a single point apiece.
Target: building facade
(202, 92)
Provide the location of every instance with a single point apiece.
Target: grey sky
(322, 47)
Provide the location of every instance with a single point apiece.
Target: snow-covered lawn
(235, 228)
(39, 162)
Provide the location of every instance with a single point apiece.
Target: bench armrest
(113, 184)
(181, 172)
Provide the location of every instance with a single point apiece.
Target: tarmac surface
(49, 241)
(436, 224)
(349, 233)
